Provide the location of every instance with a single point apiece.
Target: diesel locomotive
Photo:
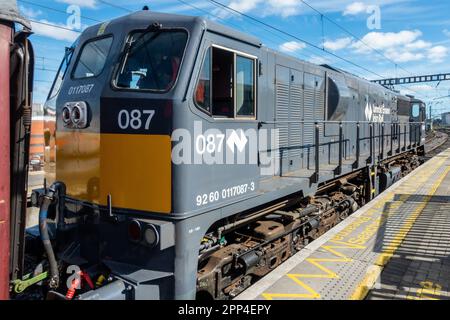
(185, 160)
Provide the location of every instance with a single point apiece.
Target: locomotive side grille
(319, 109)
(295, 129)
(308, 116)
(282, 112)
(308, 127)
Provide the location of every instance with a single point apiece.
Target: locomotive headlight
(151, 236)
(66, 115)
(135, 231)
(76, 114)
(143, 233)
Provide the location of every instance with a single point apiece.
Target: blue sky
(411, 37)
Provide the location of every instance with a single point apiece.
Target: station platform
(395, 247)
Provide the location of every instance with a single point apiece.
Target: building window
(226, 87)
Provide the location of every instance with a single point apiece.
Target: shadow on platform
(420, 266)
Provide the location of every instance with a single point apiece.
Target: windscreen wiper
(153, 27)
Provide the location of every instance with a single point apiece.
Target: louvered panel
(308, 116)
(282, 110)
(295, 114)
(319, 107)
(319, 114)
(282, 115)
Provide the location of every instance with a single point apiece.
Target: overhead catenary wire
(238, 27)
(271, 31)
(258, 21)
(304, 41)
(324, 16)
(56, 10)
(397, 66)
(296, 37)
(45, 58)
(125, 9)
(40, 80)
(114, 5)
(45, 69)
(54, 25)
(129, 10)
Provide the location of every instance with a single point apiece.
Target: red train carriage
(15, 108)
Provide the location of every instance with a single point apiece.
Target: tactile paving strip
(420, 269)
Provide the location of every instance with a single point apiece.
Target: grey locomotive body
(193, 160)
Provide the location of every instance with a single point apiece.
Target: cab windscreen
(152, 61)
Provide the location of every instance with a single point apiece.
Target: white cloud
(422, 87)
(355, 8)
(288, 8)
(244, 5)
(318, 60)
(403, 46)
(446, 32)
(292, 46)
(29, 13)
(386, 40)
(338, 44)
(404, 56)
(283, 8)
(418, 90)
(81, 3)
(419, 44)
(52, 30)
(437, 54)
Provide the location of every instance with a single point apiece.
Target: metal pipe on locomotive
(191, 160)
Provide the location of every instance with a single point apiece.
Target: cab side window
(245, 89)
(203, 91)
(226, 86)
(222, 79)
(415, 110)
(92, 58)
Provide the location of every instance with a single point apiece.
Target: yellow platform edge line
(327, 273)
(376, 269)
(369, 280)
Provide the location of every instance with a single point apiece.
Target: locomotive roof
(144, 18)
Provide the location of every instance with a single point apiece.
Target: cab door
(223, 123)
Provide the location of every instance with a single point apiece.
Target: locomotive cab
(113, 113)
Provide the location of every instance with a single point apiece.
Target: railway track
(436, 143)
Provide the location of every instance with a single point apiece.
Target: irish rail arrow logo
(235, 140)
(368, 111)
